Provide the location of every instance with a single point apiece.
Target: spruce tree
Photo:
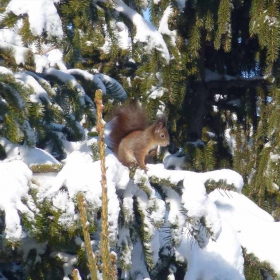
(217, 81)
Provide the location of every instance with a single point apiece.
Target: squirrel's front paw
(144, 167)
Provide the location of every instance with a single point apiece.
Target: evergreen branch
(45, 168)
(9, 254)
(145, 235)
(211, 185)
(165, 182)
(224, 30)
(125, 248)
(199, 231)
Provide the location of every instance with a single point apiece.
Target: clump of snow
(231, 142)
(55, 58)
(42, 16)
(30, 156)
(256, 229)
(5, 71)
(84, 146)
(198, 205)
(118, 91)
(157, 92)
(123, 36)
(76, 176)
(163, 25)
(41, 61)
(175, 176)
(174, 161)
(28, 244)
(144, 4)
(69, 262)
(39, 92)
(218, 260)
(11, 35)
(231, 177)
(272, 21)
(15, 177)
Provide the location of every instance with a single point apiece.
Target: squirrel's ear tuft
(160, 123)
(159, 126)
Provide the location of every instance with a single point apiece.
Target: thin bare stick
(83, 217)
(104, 215)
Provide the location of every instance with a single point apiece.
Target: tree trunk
(198, 107)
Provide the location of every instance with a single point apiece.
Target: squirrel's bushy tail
(126, 119)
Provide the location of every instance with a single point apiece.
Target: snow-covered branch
(145, 31)
(42, 16)
(215, 80)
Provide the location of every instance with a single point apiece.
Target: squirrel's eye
(162, 135)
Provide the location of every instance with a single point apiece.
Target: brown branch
(238, 82)
(104, 213)
(90, 257)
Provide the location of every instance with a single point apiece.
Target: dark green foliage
(95, 151)
(22, 117)
(256, 270)
(221, 185)
(15, 110)
(201, 157)
(47, 269)
(46, 168)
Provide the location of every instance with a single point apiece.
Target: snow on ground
(234, 219)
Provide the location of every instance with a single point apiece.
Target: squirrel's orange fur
(132, 138)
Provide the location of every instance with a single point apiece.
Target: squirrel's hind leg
(140, 158)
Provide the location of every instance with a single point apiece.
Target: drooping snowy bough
(157, 219)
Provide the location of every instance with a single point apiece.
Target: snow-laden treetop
(43, 17)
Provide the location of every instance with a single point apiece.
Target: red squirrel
(132, 139)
